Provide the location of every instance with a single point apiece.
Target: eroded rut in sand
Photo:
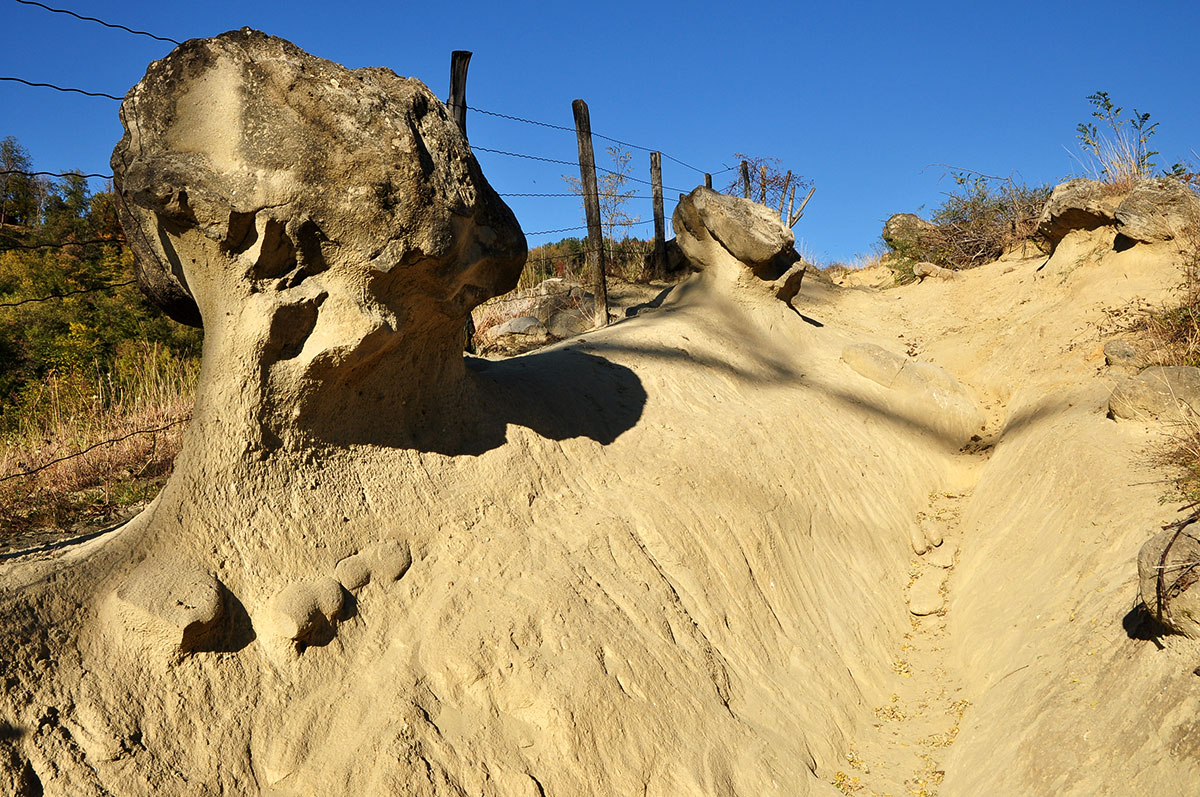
(904, 749)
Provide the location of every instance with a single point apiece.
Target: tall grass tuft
(44, 479)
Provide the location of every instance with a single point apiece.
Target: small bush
(981, 219)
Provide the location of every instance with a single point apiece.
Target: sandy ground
(681, 563)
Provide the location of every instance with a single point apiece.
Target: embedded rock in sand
(170, 608)
(326, 224)
(736, 239)
(924, 392)
(1079, 204)
(1179, 570)
(1158, 210)
(1162, 392)
(922, 270)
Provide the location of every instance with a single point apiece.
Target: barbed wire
(113, 441)
(577, 194)
(62, 88)
(568, 163)
(100, 21)
(54, 174)
(52, 296)
(62, 245)
(584, 227)
(594, 134)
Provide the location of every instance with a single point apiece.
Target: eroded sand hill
(675, 556)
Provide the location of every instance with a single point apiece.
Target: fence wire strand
(98, 21)
(62, 88)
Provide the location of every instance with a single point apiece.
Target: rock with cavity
(329, 227)
(1174, 600)
(1079, 204)
(1168, 393)
(1158, 210)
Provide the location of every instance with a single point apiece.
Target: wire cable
(594, 133)
(63, 88)
(100, 21)
(54, 174)
(68, 293)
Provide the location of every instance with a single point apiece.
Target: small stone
(389, 561)
(176, 606)
(566, 324)
(924, 596)
(1120, 353)
(943, 555)
(330, 597)
(524, 325)
(353, 572)
(303, 610)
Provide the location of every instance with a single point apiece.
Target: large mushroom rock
(1079, 204)
(739, 241)
(1157, 210)
(329, 226)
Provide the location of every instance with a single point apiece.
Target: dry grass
(1171, 336)
(45, 480)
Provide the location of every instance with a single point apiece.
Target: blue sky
(864, 99)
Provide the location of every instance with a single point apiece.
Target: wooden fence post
(459, 60)
(707, 180)
(746, 179)
(762, 184)
(783, 195)
(591, 207)
(800, 211)
(660, 227)
(457, 103)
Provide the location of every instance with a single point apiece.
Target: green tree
(19, 193)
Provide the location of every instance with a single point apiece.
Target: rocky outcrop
(1153, 210)
(734, 239)
(331, 221)
(1163, 393)
(1157, 210)
(1168, 569)
(905, 230)
(1079, 204)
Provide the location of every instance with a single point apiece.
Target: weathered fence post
(591, 208)
(459, 60)
(746, 179)
(800, 211)
(707, 180)
(762, 184)
(791, 201)
(783, 195)
(660, 227)
(457, 103)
